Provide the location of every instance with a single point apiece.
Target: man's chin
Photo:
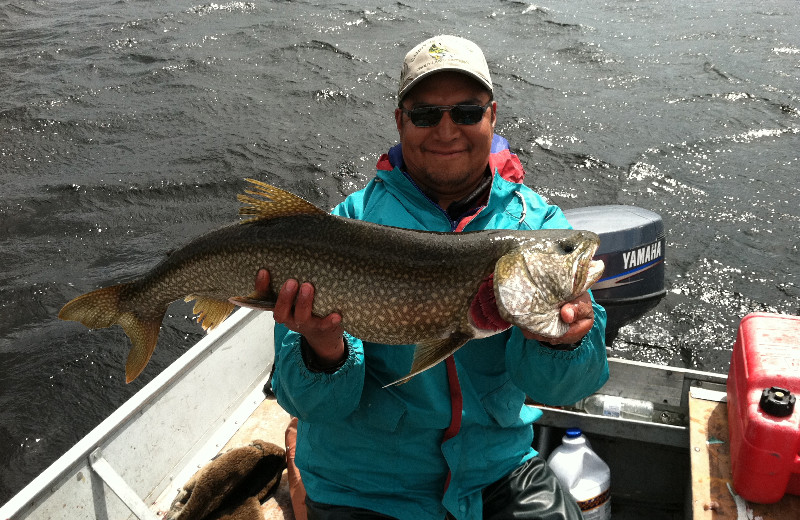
(446, 176)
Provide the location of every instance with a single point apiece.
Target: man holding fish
(413, 321)
(455, 439)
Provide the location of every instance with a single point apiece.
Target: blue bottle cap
(573, 433)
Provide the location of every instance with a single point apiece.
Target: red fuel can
(763, 415)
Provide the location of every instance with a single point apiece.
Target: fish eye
(568, 247)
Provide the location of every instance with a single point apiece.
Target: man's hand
(578, 314)
(293, 309)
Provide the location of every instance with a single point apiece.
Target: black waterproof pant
(531, 491)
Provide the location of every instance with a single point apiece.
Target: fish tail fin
(144, 335)
(209, 311)
(101, 308)
(97, 309)
(430, 353)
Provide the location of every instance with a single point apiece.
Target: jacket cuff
(313, 363)
(562, 346)
(564, 351)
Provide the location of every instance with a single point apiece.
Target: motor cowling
(632, 246)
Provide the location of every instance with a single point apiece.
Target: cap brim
(402, 93)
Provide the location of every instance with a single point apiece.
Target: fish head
(534, 280)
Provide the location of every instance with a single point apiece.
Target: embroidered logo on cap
(436, 52)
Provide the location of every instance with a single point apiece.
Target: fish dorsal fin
(265, 202)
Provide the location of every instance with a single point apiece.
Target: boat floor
(268, 423)
(710, 471)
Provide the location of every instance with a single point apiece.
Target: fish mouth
(588, 271)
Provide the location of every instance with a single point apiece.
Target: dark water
(127, 127)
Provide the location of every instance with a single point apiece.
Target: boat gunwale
(77, 457)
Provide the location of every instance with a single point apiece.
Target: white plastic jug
(584, 474)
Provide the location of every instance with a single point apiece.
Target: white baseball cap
(442, 53)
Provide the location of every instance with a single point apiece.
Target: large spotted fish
(390, 285)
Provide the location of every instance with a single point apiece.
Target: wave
(229, 7)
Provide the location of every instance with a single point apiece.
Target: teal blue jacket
(382, 449)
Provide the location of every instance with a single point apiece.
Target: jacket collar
(505, 166)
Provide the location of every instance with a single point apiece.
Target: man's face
(447, 159)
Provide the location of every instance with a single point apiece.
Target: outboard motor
(632, 246)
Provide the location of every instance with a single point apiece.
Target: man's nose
(447, 126)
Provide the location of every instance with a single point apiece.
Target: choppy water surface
(126, 128)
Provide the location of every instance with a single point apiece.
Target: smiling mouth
(445, 152)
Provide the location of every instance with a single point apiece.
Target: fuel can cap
(777, 402)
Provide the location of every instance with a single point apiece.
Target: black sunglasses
(424, 117)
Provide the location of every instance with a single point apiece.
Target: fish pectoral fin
(429, 353)
(265, 202)
(210, 311)
(253, 302)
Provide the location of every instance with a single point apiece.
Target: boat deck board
(268, 422)
(711, 470)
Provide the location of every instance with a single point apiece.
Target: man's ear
(398, 118)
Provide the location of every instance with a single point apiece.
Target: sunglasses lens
(466, 114)
(460, 114)
(424, 117)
